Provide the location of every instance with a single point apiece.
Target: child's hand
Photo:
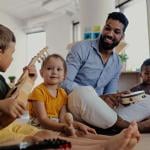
(12, 107)
(68, 119)
(69, 130)
(84, 128)
(31, 71)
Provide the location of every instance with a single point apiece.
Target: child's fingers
(13, 114)
(91, 130)
(17, 109)
(22, 105)
(20, 109)
(15, 94)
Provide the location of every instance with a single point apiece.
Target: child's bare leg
(105, 137)
(33, 139)
(94, 136)
(46, 134)
(126, 140)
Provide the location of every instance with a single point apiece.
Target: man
(93, 73)
(89, 62)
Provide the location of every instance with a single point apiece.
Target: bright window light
(137, 35)
(35, 42)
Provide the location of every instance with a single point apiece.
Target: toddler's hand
(31, 71)
(69, 130)
(68, 119)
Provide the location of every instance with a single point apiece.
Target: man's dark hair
(120, 17)
(145, 63)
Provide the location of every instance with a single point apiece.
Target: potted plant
(123, 58)
(12, 81)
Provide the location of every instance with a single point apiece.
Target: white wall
(20, 53)
(94, 12)
(35, 42)
(58, 35)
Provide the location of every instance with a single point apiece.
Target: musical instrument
(59, 144)
(23, 86)
(133, 97)
(68, 119)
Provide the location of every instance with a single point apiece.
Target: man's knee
(86, 104)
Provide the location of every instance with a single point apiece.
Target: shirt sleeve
(36, 95)
(112, 86)
(74, 61)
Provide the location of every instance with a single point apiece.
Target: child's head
(53, 69)
(145, 71)
(7, 47)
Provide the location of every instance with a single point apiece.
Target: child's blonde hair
(6, 36)
(57, 56)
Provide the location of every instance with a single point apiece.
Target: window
(76, 34)
(137, 34)
(35, 42)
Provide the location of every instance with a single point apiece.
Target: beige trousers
(87, 106)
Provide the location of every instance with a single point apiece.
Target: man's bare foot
(126, 140)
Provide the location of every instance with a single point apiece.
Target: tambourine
(133, 97)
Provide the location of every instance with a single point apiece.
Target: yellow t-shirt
(52, 104)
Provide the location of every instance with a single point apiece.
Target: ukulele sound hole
(31, 74)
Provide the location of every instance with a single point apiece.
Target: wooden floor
(144, 143)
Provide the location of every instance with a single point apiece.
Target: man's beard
(105, 46)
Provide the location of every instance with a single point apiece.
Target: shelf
(128, 80)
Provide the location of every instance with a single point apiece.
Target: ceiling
(34, 12)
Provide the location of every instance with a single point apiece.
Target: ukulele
(23, 86)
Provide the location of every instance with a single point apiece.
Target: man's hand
(113, 100)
